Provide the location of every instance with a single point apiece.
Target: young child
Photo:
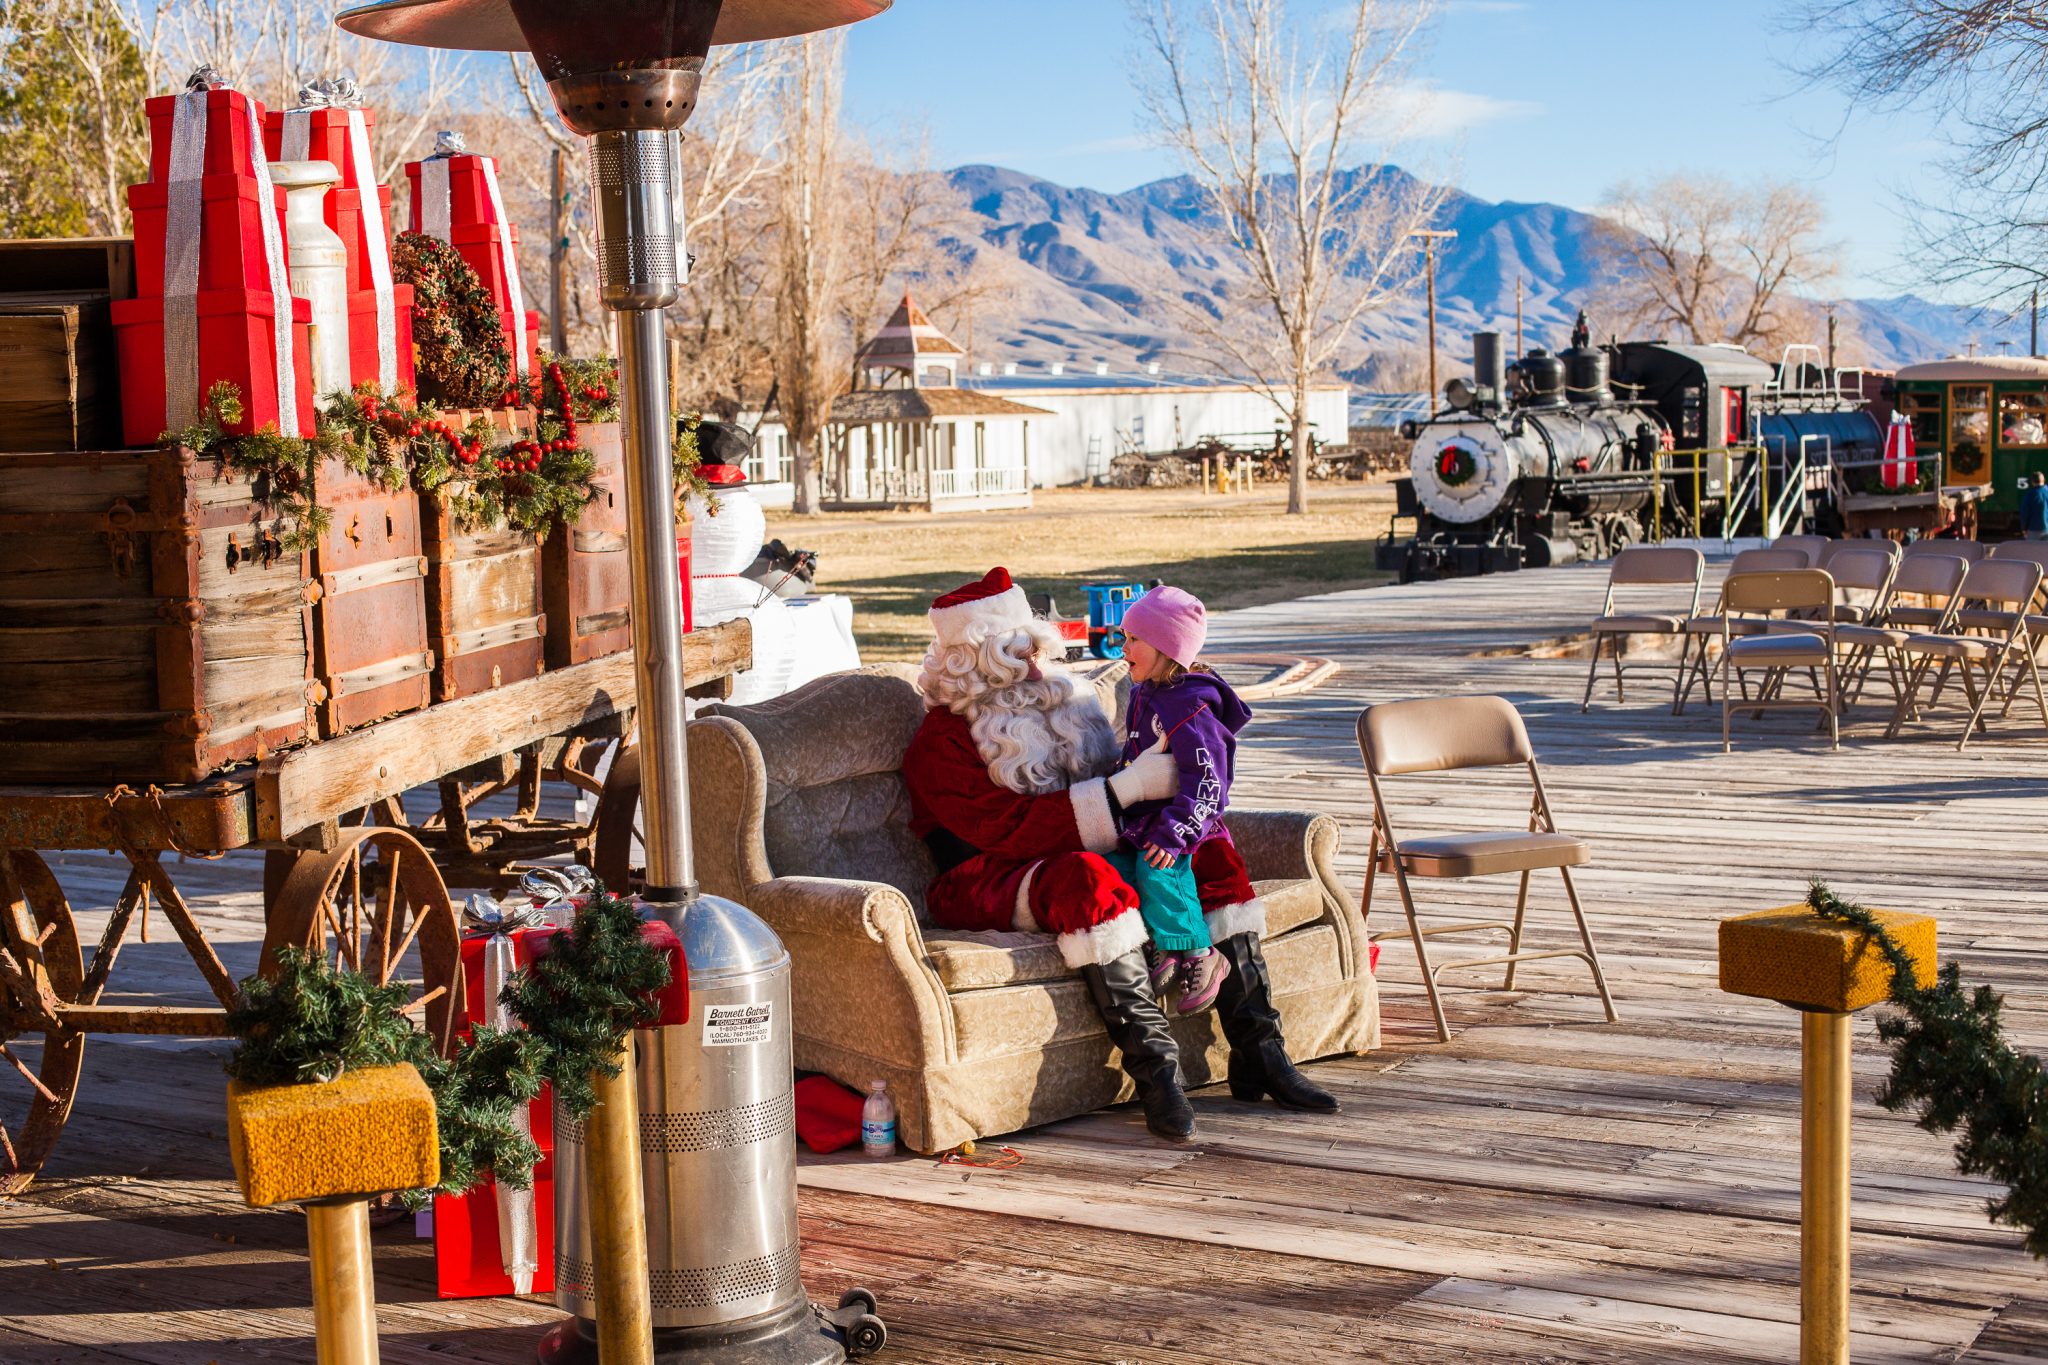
(1195, 714)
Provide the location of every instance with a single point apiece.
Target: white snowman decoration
(724, 540)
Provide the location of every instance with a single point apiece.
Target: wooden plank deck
(1547, 1187)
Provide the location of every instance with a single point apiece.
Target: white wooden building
(1098, 413)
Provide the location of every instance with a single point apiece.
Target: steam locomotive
(1554, 458)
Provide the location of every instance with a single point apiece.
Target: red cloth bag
(827, 1114)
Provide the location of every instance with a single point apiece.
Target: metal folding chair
(1813, 547)
(1969, 551)
(1923, 595)
(1811, 646)
(1702, 631)
(1446, 735)
(2002, 591)
(1643, 566)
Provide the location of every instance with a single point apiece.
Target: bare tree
(812, 353)
(1270, 122)
(1697, 256)
(1981, 68)
(908, 227)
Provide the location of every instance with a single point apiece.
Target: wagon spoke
(29, 1075)
(7, 1149)
(355, 905)
(412, 932)
(429, 998)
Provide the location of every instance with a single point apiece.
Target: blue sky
(1535, 100)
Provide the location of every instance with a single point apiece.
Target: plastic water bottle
(878, 1121)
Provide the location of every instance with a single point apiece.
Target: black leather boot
(1123, 995)
(1259, 1064)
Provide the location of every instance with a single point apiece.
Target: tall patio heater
(625, 73)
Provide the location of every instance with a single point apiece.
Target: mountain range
(1087, 277)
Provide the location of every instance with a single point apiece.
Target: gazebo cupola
(909, 352)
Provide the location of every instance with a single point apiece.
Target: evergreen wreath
(279, 468)
(457, 331)
(1952, 1063)
(313, 1022)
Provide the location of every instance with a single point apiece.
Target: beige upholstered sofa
(801, 814)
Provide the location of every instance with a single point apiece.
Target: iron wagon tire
(39, 944)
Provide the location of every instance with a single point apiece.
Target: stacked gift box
(468, 214)
(210, 301)
(331, 126)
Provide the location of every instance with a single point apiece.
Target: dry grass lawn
(1231, 552)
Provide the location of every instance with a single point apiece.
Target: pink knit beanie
(1171, 621)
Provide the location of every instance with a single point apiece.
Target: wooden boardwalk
(1547, 1187)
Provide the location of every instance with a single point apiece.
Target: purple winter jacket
(1200, 717)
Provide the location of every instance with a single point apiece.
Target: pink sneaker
(1201, 976)
(1165, 967)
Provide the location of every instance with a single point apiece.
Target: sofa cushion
(971, 960)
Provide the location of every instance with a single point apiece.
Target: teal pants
(1166, 900)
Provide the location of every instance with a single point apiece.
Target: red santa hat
(994, 603)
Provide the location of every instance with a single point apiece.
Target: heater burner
(489, 25)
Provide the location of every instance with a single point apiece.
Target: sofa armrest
(1298, 844)
(861, 977)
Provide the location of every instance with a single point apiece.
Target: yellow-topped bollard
(1827, 969)
(331, 1146)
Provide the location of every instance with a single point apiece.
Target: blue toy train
(1102, 633)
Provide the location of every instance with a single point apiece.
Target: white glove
(1151, 776)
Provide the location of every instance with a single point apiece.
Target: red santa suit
(1030, 860)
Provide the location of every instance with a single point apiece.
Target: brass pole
(618, 1220)
(1824, 1189)
(344, 1299)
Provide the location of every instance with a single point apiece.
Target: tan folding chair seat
(1479, 855)
(1447, 735)
(1783, 590)
(1643, 566)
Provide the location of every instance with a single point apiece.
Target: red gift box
(235, 344)
(532, 349)
(468, 1263)
(362, 337)
(227, 134)
(345, 215)
(327, 138)
(469, 198)
(492, 252)
(230, 234)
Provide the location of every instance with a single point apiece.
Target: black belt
(949, 850)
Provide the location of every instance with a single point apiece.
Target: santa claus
(1011, 786)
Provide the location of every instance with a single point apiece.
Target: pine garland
(1951, 1061)
(278, 467)
(588, 388)
(687, 459)
(578, 1003)
(314, 1022)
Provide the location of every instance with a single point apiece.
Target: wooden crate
(483, 604)
(372, 651)
(75, 265)
(586, 574)
(63, 391)
(152, 629)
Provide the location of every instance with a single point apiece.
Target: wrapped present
(323, 128)
(214, 218)
(366, 347)
(330, 124)
(452, 188)
(470, 1243)
(454, 191)
(231, 243)
(492, 252)
(230, 335)
(522, 339)
(232, 130)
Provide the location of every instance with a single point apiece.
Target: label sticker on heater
(738, 1025)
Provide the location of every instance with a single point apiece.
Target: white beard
(1040, 737)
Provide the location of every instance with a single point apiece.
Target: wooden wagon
(345, 872)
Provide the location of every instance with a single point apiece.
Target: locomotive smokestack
(1489, 370)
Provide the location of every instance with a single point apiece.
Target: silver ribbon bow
(518, 1226)
(448, 142)
(205, 77)
(546, 887)
(336, 92)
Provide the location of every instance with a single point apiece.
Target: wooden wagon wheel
(618, 825)
(374, 897)
(40, 971)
